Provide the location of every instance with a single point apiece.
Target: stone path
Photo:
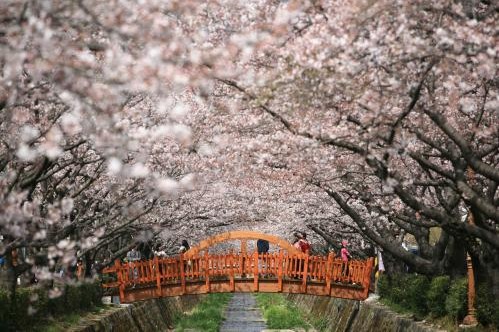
(243, 314)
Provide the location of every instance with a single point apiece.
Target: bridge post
(305, 274)
(367, 276)
(207, 271)
(279, 271)
(243, 257)
(231, 272)
(182, 272)
(158, 276)
(255, 271)
(241, 265)
(243, 247)
(329, 272)
(121, 282)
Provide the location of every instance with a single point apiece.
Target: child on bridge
(345, 257)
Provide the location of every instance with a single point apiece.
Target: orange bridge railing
(272, 272)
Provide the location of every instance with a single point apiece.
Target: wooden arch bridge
(198, 272)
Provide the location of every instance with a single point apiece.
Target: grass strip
(206, 316)
(279, 312)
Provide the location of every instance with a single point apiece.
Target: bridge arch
(243, 236)
(281, 272)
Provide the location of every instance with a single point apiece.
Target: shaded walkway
(243, 314)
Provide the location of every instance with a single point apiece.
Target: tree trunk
(456, 264)
(88, 264)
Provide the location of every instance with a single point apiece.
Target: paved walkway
(243, 314)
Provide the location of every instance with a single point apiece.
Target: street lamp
(470, 318)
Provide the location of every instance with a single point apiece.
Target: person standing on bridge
(262, 247)
(345, 257)
(304, 244)
(183, 249)
(132, 257)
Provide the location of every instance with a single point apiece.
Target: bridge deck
(273, 272)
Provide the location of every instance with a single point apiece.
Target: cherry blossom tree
(122, 121)
(403, 96)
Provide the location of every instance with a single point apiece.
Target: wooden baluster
(279, 271)
(289, 265)
(270, 260)
(272, 268)
(337, 269)
(220, 265)
(131, 272)
(165, 269)
(263, 258)
(216, 265)
(351, 270)
(226, 265)
(269, 263)
(194, 267)
(297, 266)
(207, 271)
(310, 266)
(121, 282)
(125, 275)
(313, 267)
(173, 269)
(158, 276)
(168, 266)
(329, 272)
(241, 267)
(255, 271)
(275, 267)
(152, 275)
(136, 265)
(324, 268)
(176, 270)
(367, 277)
(320, 266)
(305, 274)
(182, 272)
(232, 283)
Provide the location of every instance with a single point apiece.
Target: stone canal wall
(337, 315)
(150, 315)
(340, 315)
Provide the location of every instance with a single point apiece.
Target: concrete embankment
(151, 315)
(339, 315)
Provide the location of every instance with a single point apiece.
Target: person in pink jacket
(345, 257)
